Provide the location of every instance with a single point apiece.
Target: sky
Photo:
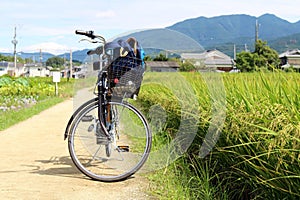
(50, 25)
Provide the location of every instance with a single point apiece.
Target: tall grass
(261, 139)
(257, 155)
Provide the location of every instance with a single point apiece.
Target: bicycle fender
(75, 114)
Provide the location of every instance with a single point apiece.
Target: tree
(263, 57)
(6, 58)
(268, 57)
(28, 60)
(161, 57)
(147, 58)
(11, 59)
(187, 67)
(55, 62)
(245, 61)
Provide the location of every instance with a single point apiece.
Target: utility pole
(234, 52)
(71, 63)
(15, 42)
(256, 31)
(41, 57)
(246, 48)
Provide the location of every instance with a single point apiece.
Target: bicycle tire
(130, 146)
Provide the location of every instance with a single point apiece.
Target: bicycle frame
(103, 105)
(103, 94)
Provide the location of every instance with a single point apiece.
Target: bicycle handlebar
(89, 34)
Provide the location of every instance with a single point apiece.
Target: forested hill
(235, 28)
(227, 30)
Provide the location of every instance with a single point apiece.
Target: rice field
(256, 151)
(21, 98)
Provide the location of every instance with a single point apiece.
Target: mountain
(216, 30)
(79, 55)
(34, 56)
(285, 43)
(271, 27)
(164, 39)
(235, 29)
(221, 32)
(76, 55)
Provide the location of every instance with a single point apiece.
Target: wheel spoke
(110, 160)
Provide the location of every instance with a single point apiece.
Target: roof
(10, 64)
(212, 61)
(162, 64)
(205, 55)
(32, 65)
(211, 58)
(290, 53)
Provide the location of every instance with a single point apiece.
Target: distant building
(290, 58)
(4, 67)
(9, 68)
(36, 70)
(162, 66)
(211, 59)
(79, 72)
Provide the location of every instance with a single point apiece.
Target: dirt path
(35, 164)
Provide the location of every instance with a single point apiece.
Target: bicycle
(108, 138)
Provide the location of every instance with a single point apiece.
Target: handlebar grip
(86, 33)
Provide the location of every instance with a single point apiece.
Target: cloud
(43, 30)
(106, 14)
(56, 20)
(49, 47)
(5, 50)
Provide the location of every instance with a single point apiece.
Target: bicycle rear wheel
(129, 146)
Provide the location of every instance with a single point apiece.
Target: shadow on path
(56, 166)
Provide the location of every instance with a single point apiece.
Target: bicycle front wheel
(112, 159)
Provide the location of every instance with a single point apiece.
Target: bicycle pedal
(124, 148)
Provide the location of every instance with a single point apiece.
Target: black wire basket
(125, 76)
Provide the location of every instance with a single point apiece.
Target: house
(290, 58)
(4, 67)
(80, 71)
(162, 66)
(36, 70)
(211, 59)
(10, 69)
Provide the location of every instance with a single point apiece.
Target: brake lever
(91, 41)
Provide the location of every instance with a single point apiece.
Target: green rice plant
(175, 181)
(258, 150)
(204, 182)
(260, 141)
